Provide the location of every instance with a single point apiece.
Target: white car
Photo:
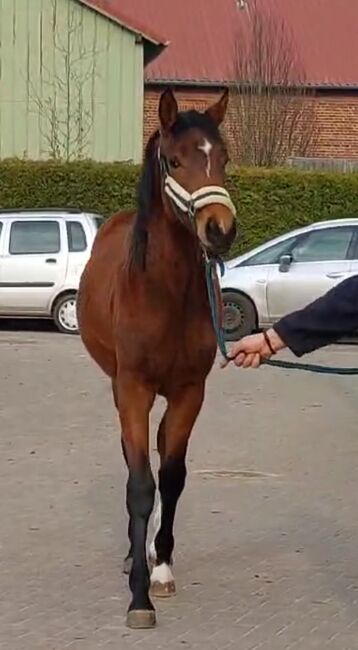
(42, 257)
(286, 274)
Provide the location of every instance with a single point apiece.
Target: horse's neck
(175, 239)
(173, 250)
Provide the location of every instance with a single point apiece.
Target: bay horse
(144, 317)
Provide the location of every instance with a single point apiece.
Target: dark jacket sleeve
(323, 321)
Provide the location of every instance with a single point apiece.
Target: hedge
(269, 202)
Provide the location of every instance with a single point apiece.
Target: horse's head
(192, 158)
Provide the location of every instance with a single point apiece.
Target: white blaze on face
(206, 147)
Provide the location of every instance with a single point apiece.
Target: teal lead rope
(311, 367)
(211, 278)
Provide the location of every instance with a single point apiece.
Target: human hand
(250, 351)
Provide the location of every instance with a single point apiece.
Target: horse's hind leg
(158, 511)
(134, 404)
(183, 408)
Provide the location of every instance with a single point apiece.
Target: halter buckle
(191, 210)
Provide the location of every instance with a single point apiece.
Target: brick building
(198, 60)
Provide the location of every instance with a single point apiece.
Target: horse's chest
(186, 350)
(172, 330)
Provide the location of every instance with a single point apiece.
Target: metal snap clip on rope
(191, 213)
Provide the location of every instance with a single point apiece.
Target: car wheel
(64, 314)
(239, 317)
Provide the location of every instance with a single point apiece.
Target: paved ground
(266, 560)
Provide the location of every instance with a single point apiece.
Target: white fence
(345, 165)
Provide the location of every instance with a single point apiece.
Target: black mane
(147, 192)
(149, 184)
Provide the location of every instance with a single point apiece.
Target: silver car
(42, 257)
(286, 273)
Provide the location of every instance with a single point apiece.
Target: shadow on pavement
(27, 325)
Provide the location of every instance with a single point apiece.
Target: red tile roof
(201, 35)
(113, 10)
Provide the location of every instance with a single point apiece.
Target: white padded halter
(190, 203)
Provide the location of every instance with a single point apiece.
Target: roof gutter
(204, 83)
(187, 82)
(124, 21)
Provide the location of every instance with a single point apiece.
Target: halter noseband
(190, 203)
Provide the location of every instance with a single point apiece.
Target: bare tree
(273, 115)
(65, 102)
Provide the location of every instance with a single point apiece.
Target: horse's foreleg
(134, 404)
(128, 562)
(183, 408)
(127, 565)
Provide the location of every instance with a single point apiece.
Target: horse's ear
(168, 109)
(217, 111)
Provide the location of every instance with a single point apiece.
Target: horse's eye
(174, 162)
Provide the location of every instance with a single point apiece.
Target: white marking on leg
(206, 147)
(161, 574)
(157, 524)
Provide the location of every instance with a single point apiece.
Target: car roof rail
(40, 210)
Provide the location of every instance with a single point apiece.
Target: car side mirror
(285, 263)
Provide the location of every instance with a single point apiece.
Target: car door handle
(334, 275)
(261, 281)
(51, 260)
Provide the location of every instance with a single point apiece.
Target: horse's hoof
(127, 565)
(141, 619)
(166, 590)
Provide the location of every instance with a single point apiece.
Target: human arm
(322, 322)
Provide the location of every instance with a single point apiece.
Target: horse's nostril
(213, 231)
(219, 240)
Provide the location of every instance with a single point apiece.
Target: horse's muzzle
(219, 241)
